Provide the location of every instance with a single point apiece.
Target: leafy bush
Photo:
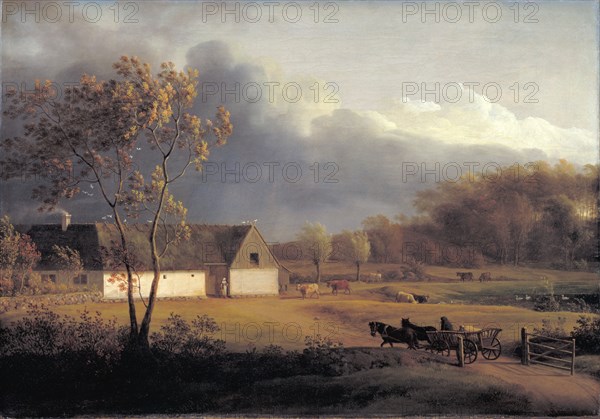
(323, 356)
(7, 287)
(391, 276)
(577, 305)
(416, 267)
(300, 279)
(587, 335)
(552, 329)
(177, 336)
(546, 303)
(44, 333)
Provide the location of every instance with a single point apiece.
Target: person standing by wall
(224, 287)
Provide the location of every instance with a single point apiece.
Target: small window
(81, 279)
(164, 276)
(254, 258)
(192, 275)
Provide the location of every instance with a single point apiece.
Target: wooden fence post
(524, 347)
(573, 359)
(461, 352)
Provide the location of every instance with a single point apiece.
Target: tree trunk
(145, 326)
(21, 282)
(357, 271)
(143, 338)
(318, 272)
(133, 324)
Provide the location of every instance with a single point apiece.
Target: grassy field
(286, 320)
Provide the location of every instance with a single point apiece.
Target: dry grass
(286, 320)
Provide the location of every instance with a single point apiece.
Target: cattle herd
(468, 276)
(336, 285)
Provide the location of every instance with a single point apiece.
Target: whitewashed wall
(94, 279)
(254, 282)
(171, 284)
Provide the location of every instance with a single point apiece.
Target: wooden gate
(546, 351)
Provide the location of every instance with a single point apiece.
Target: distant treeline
(548, 214)
(539, 214)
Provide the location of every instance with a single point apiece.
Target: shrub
(552, 329)
(44, 333)
(546, 303)
(7, 287)
(348, 277)
(577, 305)
(177, 336)
(587, 335)
(391, 276)
(300, 279)
(416, 267)
(323, 356)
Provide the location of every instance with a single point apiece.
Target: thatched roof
(80, 237)
(208, 244)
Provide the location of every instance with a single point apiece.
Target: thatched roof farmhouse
(196, 267)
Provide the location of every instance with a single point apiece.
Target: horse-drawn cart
(484, 341)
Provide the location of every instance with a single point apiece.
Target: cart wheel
(470, 349)
(492, 351)
(440, 347)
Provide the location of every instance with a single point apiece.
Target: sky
(341, 110)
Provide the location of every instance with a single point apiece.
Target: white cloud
(480, 122)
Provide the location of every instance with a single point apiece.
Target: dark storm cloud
(286, 163)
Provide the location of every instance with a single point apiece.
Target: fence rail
(551, 346)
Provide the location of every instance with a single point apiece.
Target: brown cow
(465, 276)
(485, 276)
(339, 284)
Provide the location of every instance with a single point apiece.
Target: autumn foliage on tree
(540, 213)
(179, 141)
(67, 260)
(385, 237)
(83, 139)
(18, 257)
(89, 137)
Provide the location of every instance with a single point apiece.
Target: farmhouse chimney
(66, 220)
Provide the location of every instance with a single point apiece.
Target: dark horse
(391, 334)
(421, 331)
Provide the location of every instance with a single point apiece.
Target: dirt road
(551, 391)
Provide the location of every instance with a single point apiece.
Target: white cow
(310, 289)
(404, 297)
(373, 277)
